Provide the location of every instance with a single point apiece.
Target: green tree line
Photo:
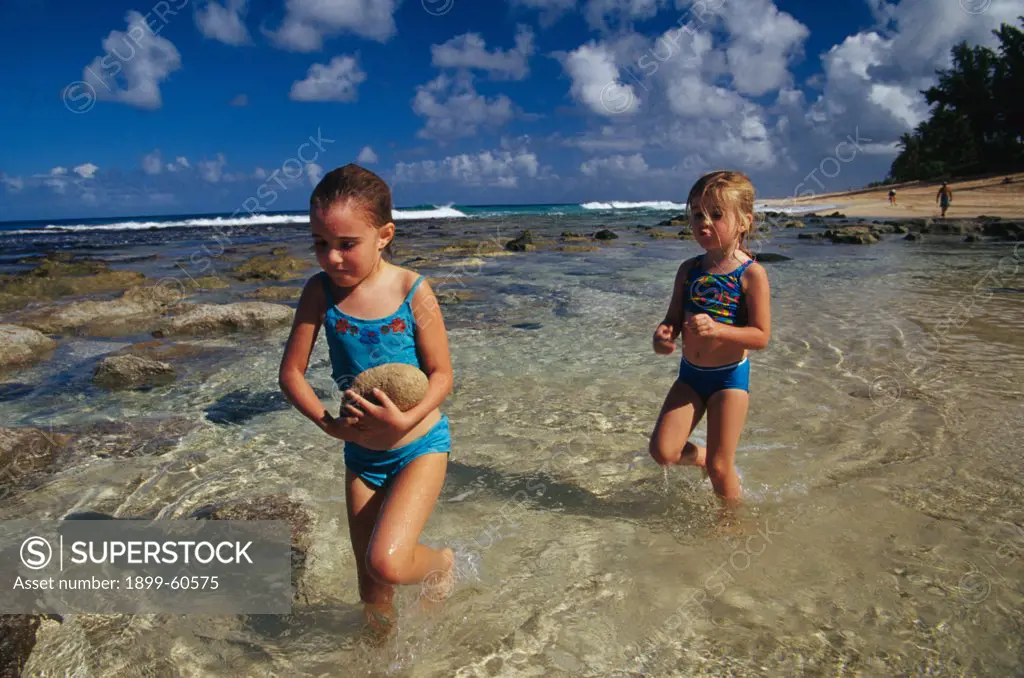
(977, 120)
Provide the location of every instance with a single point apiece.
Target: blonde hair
(730, 191)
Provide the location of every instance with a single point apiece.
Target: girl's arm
(756, 334)
(674, 315)
(432, 347)
(292, 373)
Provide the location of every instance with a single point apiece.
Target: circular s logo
(36, 553)
(79, 97)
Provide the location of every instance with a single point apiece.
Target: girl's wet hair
(359, 186)
(730, 191)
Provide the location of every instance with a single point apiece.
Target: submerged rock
(1004, 230)
(273, 267)
(405, 385)
(59, 276)
(27, 454)
(132, 372)
(794, 224)
(136, 307)
(271, 507)
(606, 234)
(276, 293)
(522, 243)
(23, 345)
(770, 257)
(242, 316)
(810, 236)
(852, 235)
(678, 220)
(17, 639)
(125, 439)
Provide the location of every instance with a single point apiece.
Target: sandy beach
(988, 196)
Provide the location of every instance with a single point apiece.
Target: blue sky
(182, 106)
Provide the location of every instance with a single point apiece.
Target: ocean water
(884, 520)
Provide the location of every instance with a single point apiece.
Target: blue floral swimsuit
(356, 345)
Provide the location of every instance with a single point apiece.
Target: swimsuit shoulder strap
(415, 286)
(327, 288)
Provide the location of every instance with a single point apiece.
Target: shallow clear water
(884, 521)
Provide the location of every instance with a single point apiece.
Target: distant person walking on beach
(721, 307)
(374, 313)
(892, 197)
(944, 197)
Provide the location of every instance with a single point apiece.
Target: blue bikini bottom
(378, 468)
(706, 381)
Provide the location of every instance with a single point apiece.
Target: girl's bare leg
(395, 555)
(680, 414)
(364, 503)
(727, 413)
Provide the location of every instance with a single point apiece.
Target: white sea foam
(446, 212)
(665, 205)
(222, 222)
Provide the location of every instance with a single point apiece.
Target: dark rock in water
(1004, 230)
(982, 218)
(810, 236)
(573, 235)
(900, 228)
(770, 257)
(605, 234)
(238, 407)
(132, 372)
(643, 227)
(13, 391)
(912, 236)
(88, 515)
(852, 235)
(837, 215)
(523, 243)
(270, 507)
(678, 220)
(528, 326)
(971, 237)
(17, 639)
(687, 232)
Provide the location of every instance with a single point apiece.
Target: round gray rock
(21, 345)
(132, 372)
(243, 316)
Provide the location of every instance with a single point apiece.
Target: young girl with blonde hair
(721, 308)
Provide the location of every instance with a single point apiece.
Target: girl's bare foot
(439, 584)
(694, 455)
(380, 622)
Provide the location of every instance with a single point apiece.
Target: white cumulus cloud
(224, 23)
(453, 108)
(308, 22)
(470, 51)
(338, 80)
(367, 156)
(134, 65)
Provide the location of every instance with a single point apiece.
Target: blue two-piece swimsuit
(719, 295)
(356, 345)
